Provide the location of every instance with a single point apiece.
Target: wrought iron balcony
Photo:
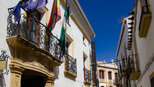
(70, 65)
(31, 31)
(145, 21)
(87, 75)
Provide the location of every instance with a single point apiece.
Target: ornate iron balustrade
(70, 64)
(87, 75)
(35, 32)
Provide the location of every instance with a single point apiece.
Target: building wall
(77, 52)
(3, 27)
(107, 67)
(142, 50)
(122, 50)
(77, 47)
(145, 48)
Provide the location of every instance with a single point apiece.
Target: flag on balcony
(55, 15)
(27, 4)
(67, 13)
(16, 12)
(63, 30)
(33, 4)
(62, 38)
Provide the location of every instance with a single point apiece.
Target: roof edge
(84, 16)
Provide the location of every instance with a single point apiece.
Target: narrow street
(77, 43)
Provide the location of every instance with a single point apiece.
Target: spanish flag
(55, 15)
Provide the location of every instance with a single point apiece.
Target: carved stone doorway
(32, 79)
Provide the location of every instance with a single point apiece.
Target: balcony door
(33, 32)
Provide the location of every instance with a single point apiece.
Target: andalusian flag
(55, 15)
(62, 38)
(63, 30)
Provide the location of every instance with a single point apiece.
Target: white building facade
(124, 53)
(140, 70)
(31, 62)
(107, 74)
(143, 34)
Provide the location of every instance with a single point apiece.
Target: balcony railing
(87, 75)
(70, 64)
(33, 31)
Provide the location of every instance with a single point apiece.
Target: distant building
(123, 52)
(107, 74)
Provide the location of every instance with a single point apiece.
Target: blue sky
(104, 17)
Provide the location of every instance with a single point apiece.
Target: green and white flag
(63, 31)
(62, 38)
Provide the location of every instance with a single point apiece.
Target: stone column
(49, 82)
(15, 73)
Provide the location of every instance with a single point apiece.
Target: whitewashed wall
(4, 5)
(73, 31)
(145, 48)
(124, 37)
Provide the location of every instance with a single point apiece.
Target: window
(152, 79)
(109, 75)
(69, 46)
(101, 74)
(84, 39)
(116, 77)
(68, 50)
(145, 18)
(85, 59)
(145, 6)
(33, 18)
